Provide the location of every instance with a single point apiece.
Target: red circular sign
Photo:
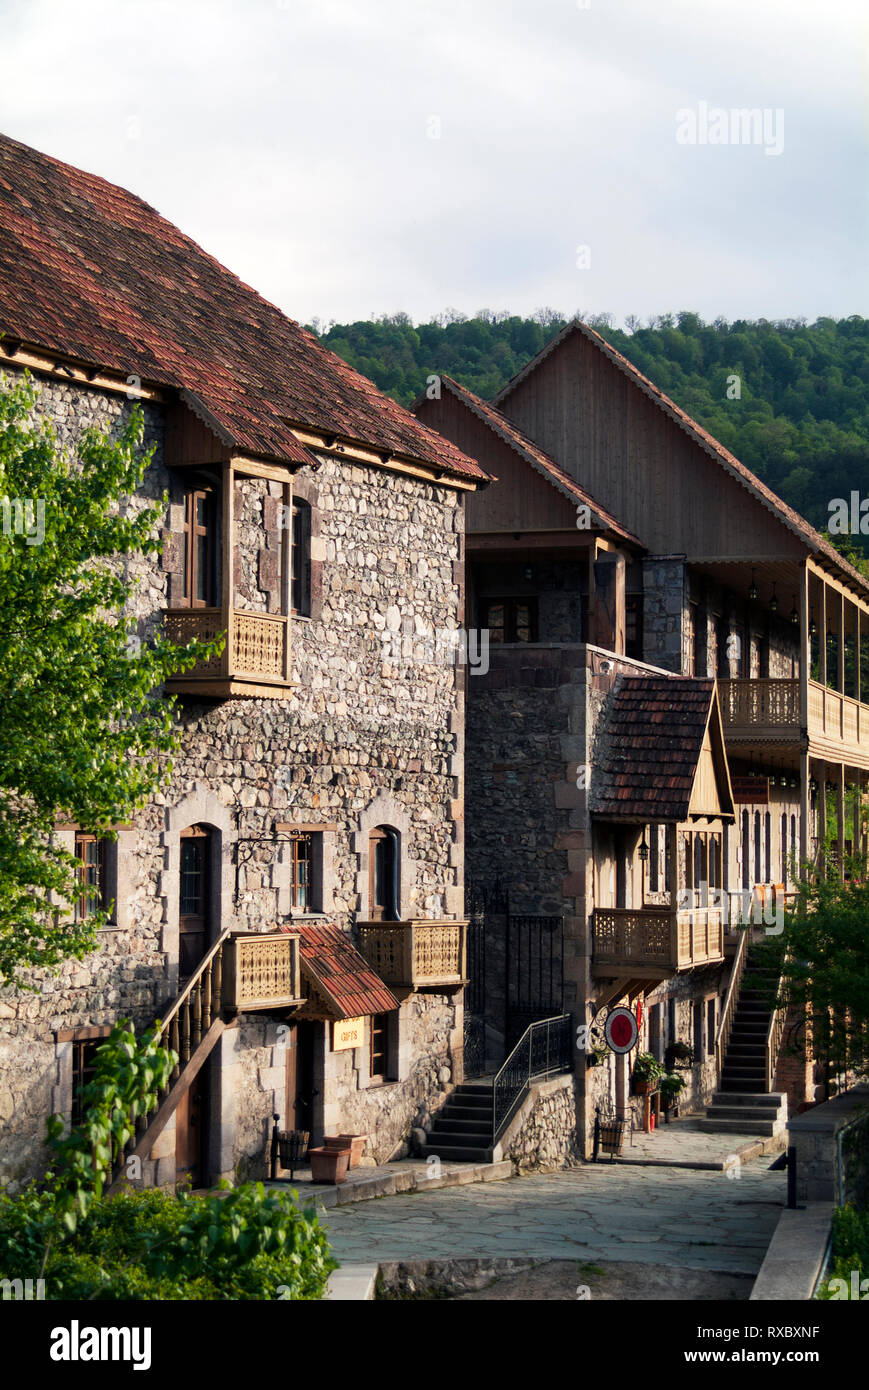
(621, 1030)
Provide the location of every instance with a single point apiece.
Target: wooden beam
(255, 468)
(853, 595)
(805, 807)
(840, 822)
(805, 648)
(357, 453)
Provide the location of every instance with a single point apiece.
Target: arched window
(383, 874)
(301, 570)
(195, 897)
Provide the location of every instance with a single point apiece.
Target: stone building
(654, 614)
(293, 897)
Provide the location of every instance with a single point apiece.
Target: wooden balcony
(418, 954)
(768, 711)
(255, 659)
(653, 942)
(262, 972)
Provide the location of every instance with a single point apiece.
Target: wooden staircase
(243, 972)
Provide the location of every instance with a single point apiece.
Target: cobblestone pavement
(671, 1217)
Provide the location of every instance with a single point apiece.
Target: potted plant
(596, 1057)
(672, 1087)
(679, 1054)
(646, 1073)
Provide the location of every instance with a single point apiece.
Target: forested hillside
(798, 413)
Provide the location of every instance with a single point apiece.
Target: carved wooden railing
(728, 1012)
(418, 953)
(257, 646)
(758, 704)
(262, 972)
(658, 936)
(837, 718)
(242, 972)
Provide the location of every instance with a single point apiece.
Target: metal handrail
(543, 1050)
(726, 1023)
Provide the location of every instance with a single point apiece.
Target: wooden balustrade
(257, 648)
(416, 954)
(769, 709)
(649, 940)
(262, 971)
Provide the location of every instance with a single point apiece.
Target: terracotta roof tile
(93, 273)
(340, 972)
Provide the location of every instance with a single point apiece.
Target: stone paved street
(671, 1217)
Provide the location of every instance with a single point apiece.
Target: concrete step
(741, 1086)
(473, 1114)
(740, 1126)
(450, 1139)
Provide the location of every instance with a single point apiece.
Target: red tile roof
(91, 272)
(650, 747)
(525, 447)
(332, 964)
(816, 542)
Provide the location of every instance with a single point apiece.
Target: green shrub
(850, 1248)
(239, 1243)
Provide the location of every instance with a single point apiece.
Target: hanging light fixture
(792, 781)
(752, 589)
(783, 780)
(829, 787)
(795, 615)
(773, 603)
(813, 786)
(813, 626)
(643, 851)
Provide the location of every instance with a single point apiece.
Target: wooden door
(191, 1134)
(194, 905)
(300, 1077)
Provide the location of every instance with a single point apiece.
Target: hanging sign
(348, 1032)
(750, 790)
(621, 1030)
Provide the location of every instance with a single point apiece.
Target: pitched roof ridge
(713, 447)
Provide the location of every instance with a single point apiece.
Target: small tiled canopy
(338, 980)
(651, 747)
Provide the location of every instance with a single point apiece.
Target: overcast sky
(356, 157)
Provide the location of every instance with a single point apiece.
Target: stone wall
(362, 736)
(542, 1135)
(664, 608)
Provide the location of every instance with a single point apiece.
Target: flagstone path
(673, 1218)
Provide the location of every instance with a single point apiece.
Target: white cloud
(291, 141)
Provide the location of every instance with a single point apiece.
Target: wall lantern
(643, 851)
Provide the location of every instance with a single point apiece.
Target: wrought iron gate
(475, 996)
(534, 986)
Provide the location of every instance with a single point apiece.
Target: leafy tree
(84, 731)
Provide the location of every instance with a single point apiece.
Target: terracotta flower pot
(354, 1142)
(329, 1165)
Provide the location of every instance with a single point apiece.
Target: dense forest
(790, 399)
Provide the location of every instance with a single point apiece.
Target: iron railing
(544, 1050)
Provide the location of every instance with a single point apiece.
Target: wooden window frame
(196, 490)
(300, 566)
(81, 1072)
(381, 1061)
(86, 905)
(206, 836)
(379, 911)
(510, 604)
(302, 886)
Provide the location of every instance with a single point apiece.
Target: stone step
(749, 1098)
(447, 1125)
(466, 1112)
(740, 1126)
(742, 1086)
(448, 1139)
(457, 1155)
(742, 1112)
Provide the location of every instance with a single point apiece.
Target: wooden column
(840, 821)
(822, 815)
(228, 586)
(822, 646)
(805, 806)
(857, 651)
